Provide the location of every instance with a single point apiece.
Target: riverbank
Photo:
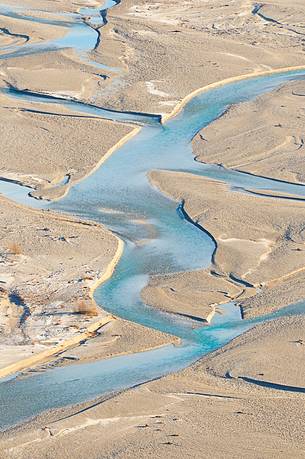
(47, 303)
(51, 353)
(236, 42)
(45, 300)
(279, 121)
(258, 261)
(219, 393)
(216, 41)
(51, 264)
(67, 148)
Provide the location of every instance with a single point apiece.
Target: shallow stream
(157, 241)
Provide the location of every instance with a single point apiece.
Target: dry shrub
(86, 308)
(87, 277)
(15, 248)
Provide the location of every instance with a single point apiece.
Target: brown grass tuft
(15, 248)
(86, 308)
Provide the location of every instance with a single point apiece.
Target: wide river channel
(157, 238)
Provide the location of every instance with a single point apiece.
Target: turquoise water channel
(158, 240)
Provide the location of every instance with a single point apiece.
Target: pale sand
(53, 292)
(58, 72)
(63, 146)
(172, 48)
(46, 6)
(271, 146)
(45, 356)
(166, 51)
(196, 294)
(37, 32)
(196, 413)
(259, 240)
(177, 48)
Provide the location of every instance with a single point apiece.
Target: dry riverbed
(271, 146)
(172, 48)
(66, 148)
(221, 406)
(216, 406)
(49, 264)
(48, 267)
(259, 258)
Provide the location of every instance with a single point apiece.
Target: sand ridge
(165, 51)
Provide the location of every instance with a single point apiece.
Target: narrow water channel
(157, 241)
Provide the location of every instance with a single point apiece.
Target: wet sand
(172, 49)
(270, 147)
(210, 407)
(50, 265)
(46, 300)
(260, 243)
(64, 146)
(47, 272)
(163, 51)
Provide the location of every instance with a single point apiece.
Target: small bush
(14, 248)
(86, 308)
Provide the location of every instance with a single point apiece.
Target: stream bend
(157, 241)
